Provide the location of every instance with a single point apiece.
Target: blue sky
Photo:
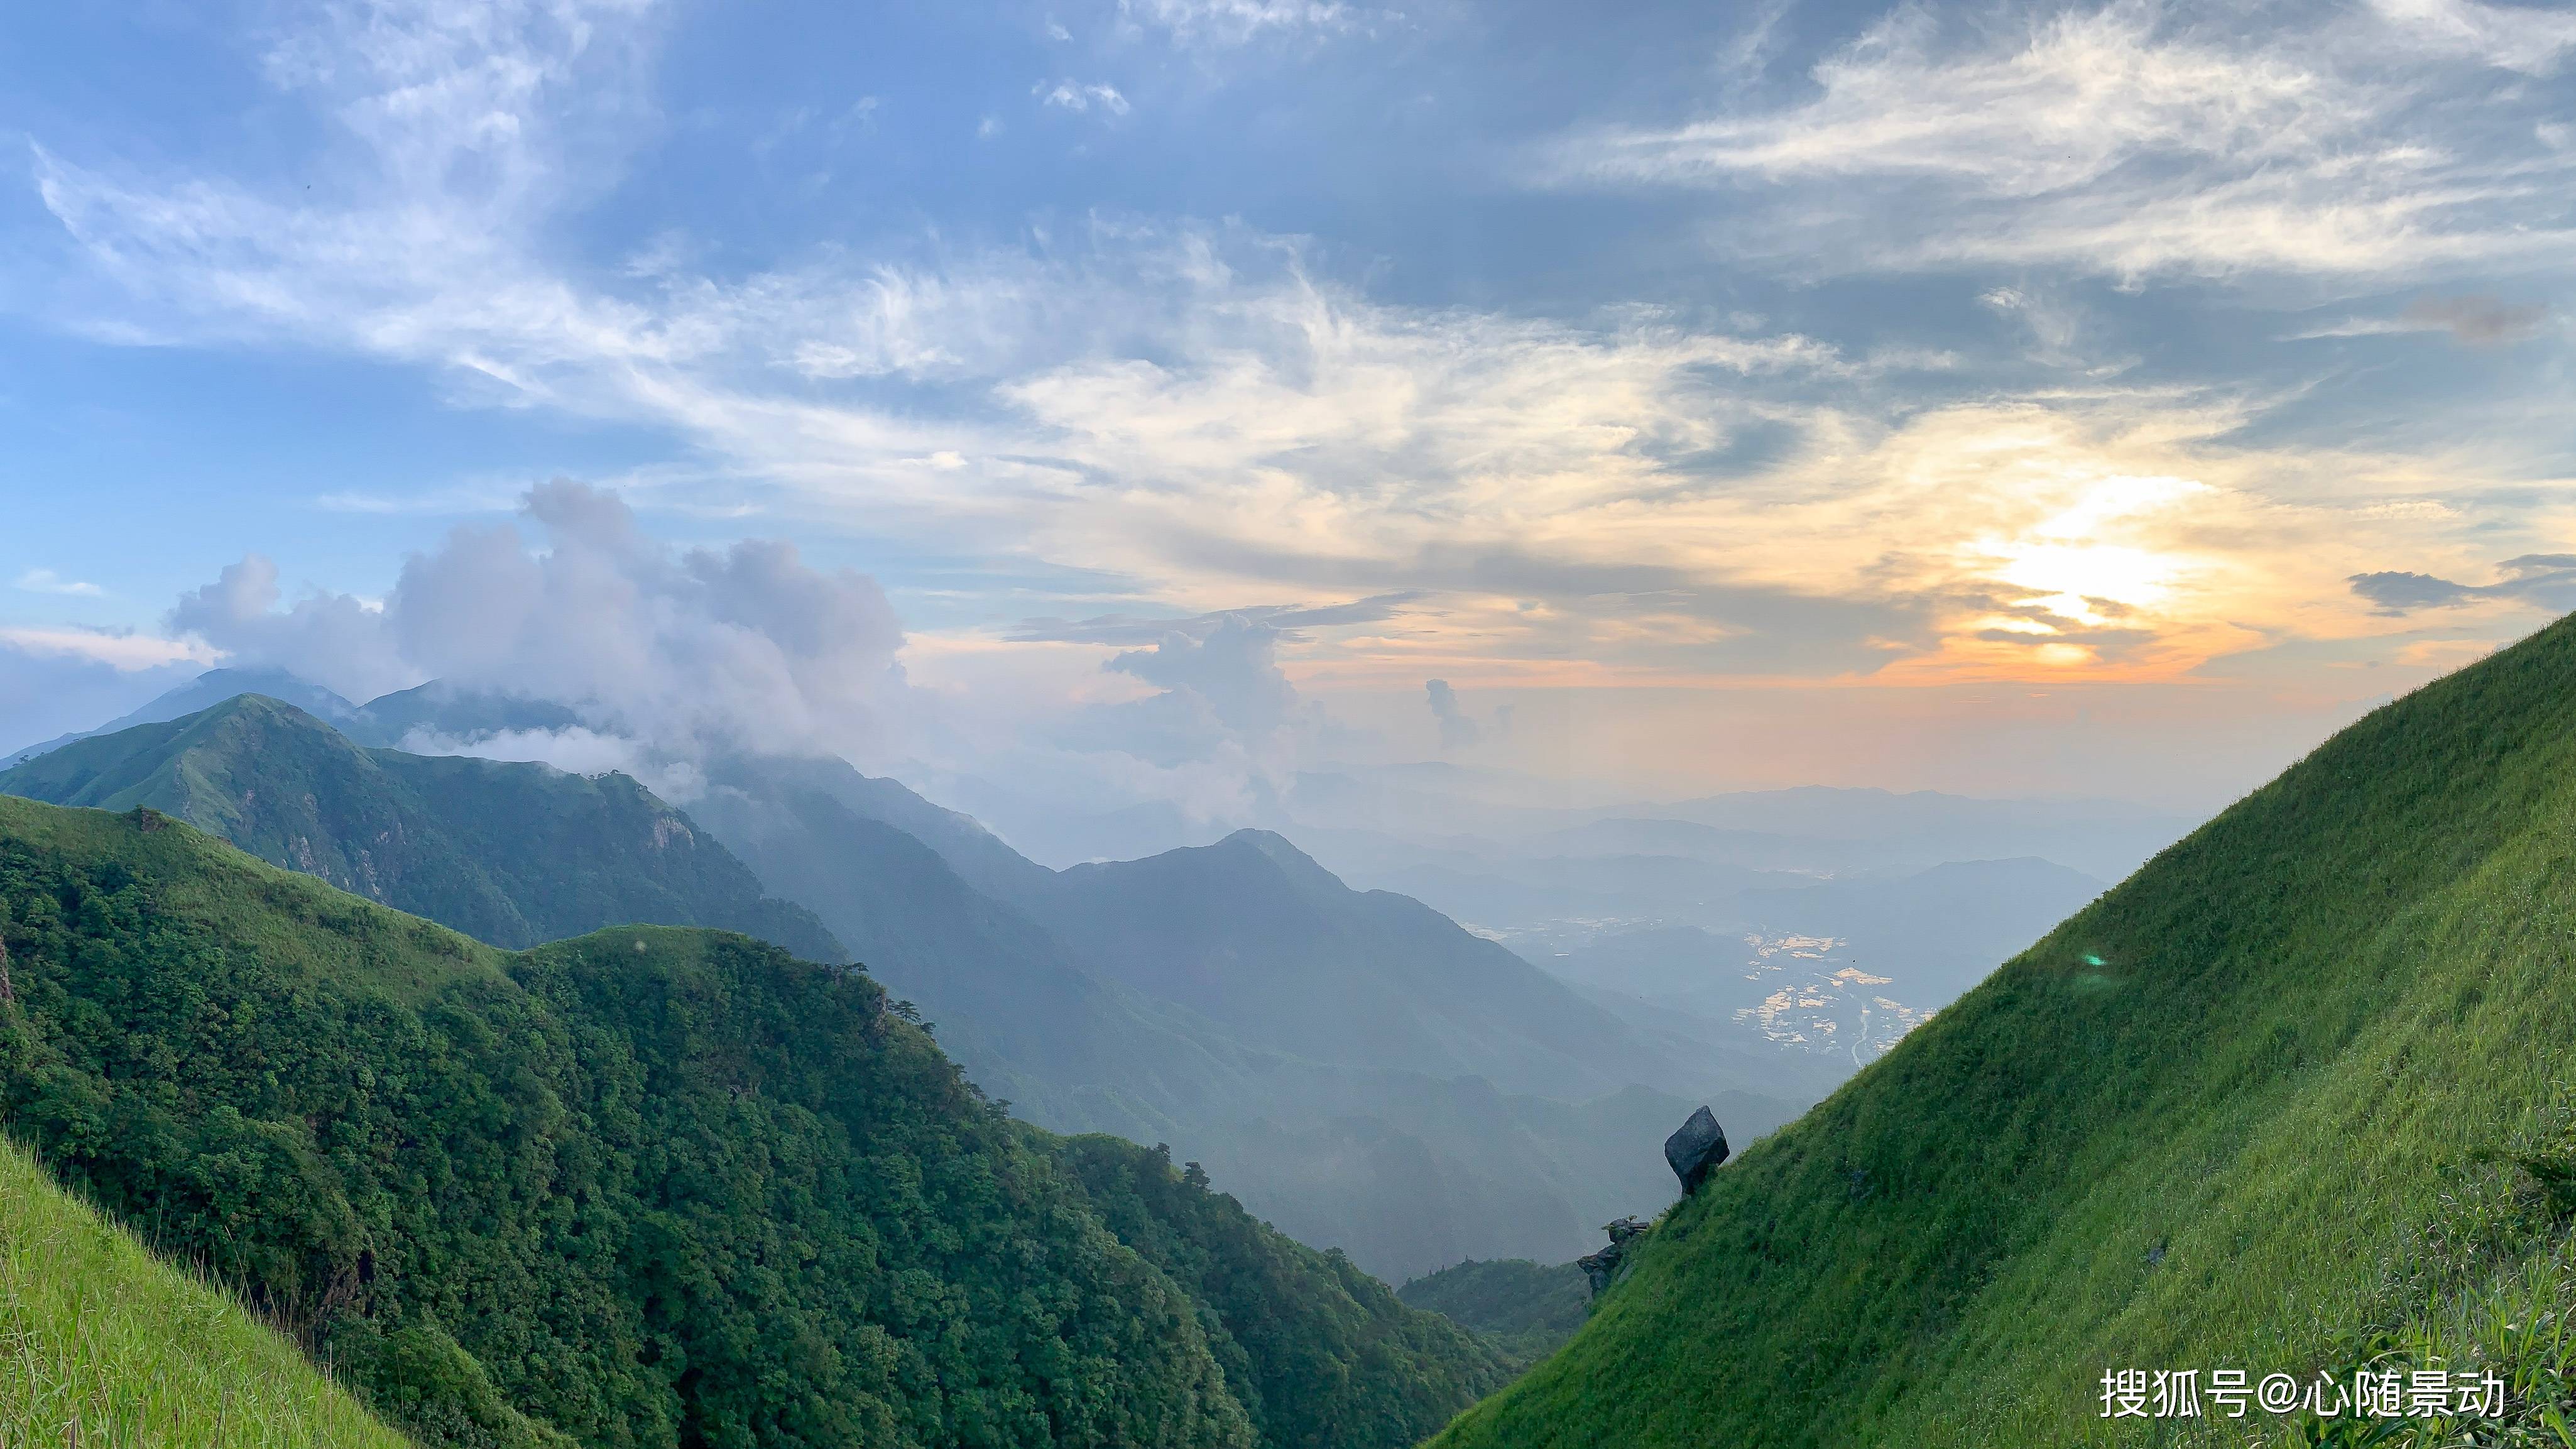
(2019, 399)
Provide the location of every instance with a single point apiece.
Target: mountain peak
(1300, 868)
(203, 692)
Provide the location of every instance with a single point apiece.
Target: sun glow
(2119, 573)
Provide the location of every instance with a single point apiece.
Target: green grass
(2287, 1099)
(102, 1345)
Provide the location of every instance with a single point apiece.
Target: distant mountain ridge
(1252, 934)
(1375, 1077)
(1357, 1118)
(513, 854)
(205, 691)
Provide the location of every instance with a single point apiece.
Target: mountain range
(513, 854)
(650, 1186)
(1353, 1065)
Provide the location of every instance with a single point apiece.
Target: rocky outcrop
(1696, 1149)
(1603, 1266)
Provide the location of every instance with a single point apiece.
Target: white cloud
(1078, 96)
(2135, 139)
(124, 651)
(1190, 413)
(748, 647)
(2523, 38)
(2472, 321)
(1234, 22)
(46, 581)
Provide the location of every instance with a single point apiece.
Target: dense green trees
(648, 1186)
(1524, 1309)
(1321, 1354)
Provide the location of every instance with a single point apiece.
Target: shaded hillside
(1525, 1309)
(105, 1345)
(442, 710)
(650, 1186)
(1255, 936)
(513, 854)
(1405, 1168)
(1028, 1023)
(2293, 1098)
(979, 857)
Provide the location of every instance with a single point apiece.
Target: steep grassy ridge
(2292, 1097)
(101, 1344)
(651, 1186)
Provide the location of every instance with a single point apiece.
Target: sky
(1144, 400)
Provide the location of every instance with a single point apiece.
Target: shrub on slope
(2286, 1099)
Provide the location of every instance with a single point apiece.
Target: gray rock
(1603, 1267)
(1696, 1150)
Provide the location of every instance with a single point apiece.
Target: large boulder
(1696, 1150)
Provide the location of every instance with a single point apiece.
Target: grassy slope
(102, 1344)
(2260, 1106)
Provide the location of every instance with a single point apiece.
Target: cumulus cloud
(745, 647)
(1456, 728)
(1234, 668)
(336, 640)
(1221, 695)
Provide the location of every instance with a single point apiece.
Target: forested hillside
(1525, 1309)
(2293, 1098)
(649, 1186)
